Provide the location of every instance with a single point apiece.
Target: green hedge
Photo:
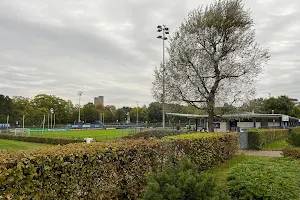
(155, 134)
(45, 140)
(291, 152)
(273, 179)
(207, 149)
(257, 138)
(294, 137)
(103, 170)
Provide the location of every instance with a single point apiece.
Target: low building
(236, 122)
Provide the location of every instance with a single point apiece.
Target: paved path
(262, 153)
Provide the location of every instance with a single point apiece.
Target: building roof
(232, 116)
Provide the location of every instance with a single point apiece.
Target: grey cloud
(110, 48)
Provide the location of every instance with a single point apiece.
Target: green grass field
(108, 134)
(17, 145)
(276, 145)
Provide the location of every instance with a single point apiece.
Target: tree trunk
(211, 113)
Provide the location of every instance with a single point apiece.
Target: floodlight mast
(165, 31)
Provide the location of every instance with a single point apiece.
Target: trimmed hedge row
(54, 141)
(257, 138)
(110, 170)
(294, 137)
(291, 152)
(155, 134)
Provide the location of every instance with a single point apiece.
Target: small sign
(285, 118)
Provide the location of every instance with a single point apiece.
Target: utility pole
(7, 120)
(54, 121)
(79, 95)
(23, 122)
(44, 120)
(48, 120)
(137, 113)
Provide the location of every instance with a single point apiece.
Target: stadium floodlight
(51, 112)
(165, 31)
(79, 95)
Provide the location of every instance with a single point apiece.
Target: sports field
(108, 134)
(17, 145)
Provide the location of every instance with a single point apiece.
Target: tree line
(67, 113)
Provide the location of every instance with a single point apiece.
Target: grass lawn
(277, 145)
(17, 145)
(108, 134)
(261, 173)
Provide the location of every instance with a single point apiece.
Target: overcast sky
(109, 48)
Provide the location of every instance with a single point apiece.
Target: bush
(257, 138)
(291, 152)
(103, 170)
(207, 149)
(155, 134)
(294, 137)
(273, 179)
(54, 141)
(182, 181)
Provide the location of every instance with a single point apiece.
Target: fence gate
(243, 140)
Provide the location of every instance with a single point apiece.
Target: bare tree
(213, 58)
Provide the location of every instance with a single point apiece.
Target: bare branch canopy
(213, 58)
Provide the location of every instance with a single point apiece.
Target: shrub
(294, 137)
(102, 170)
(207, 149)
(257, 138)
(291, 152)
(273, 179)
(155, 134)
(182, 181)
(54, 141)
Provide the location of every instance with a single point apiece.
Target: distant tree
(5, 107)
(110, 114)
(254, 105)
(44, 103)
(155, 112)
(21, 106)
(213, 58)
(121, 114)
(142, 112)
(90, 113)
(281, 105)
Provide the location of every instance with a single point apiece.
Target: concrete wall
(245, 124)
(258, 124)
(223, 127)
(273, 124)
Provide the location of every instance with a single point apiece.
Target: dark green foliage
(5, 107)
(103, 170)
(294, 137)
(282, 104)
(45, 140)
(155, 134)
(182, 181)
(265, 179)
(259, 137)
(291, 152)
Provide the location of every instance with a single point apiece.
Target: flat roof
(243, 115)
